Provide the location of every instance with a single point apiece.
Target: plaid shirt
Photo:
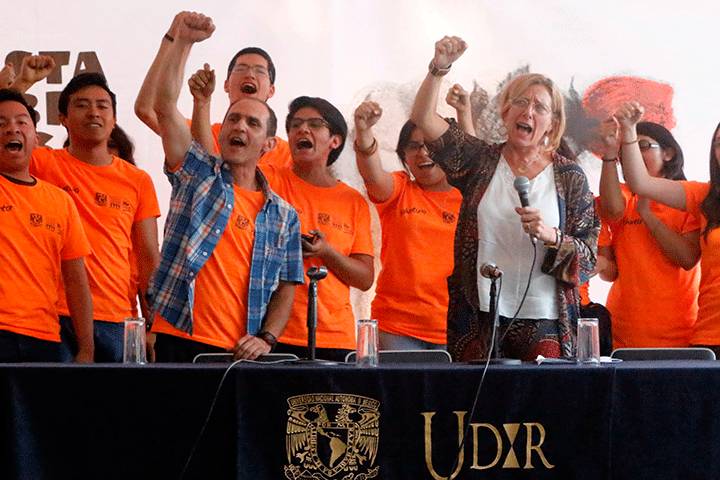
(200, 205)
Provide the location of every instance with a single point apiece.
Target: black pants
(22, 348)
(171, 349)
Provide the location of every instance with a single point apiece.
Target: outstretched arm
(163, 83)
(681, 249)
(378, 182)
(424, 111)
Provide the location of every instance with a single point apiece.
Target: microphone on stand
(491, 271)
(522, 186)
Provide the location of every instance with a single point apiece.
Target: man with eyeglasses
(231, 255)
(250, 74)
(335, 221)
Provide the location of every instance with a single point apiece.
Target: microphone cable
(527, 287)
(212, 408)
(476, 400)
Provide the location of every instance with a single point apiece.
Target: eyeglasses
(647, 145)
(414, 147)
(522, 103)
(243, 68)
(314, 123)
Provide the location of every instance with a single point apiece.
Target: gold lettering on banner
(512, 430)
(498, 440)
(530, 447)
(332, 436)
(428, 445)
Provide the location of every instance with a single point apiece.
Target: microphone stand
(315, 274)
(494, 315)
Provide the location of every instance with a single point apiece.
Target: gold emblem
(331, 435)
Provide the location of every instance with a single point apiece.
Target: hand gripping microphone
(522, 186)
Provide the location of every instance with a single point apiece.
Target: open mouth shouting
(304, 144)
(237, 142)
(524, 127)
(427, 165)
(13, 146)
(248, 88)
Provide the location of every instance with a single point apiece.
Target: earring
(546, 141)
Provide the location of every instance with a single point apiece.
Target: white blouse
(502, 241)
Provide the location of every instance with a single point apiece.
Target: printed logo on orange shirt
(36, 219)
(448, 217)
(323, 218)
(70, 189)
(6, 208)
(413, 211)
(242, 223)
(101, 199)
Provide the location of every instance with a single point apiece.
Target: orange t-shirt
(221, 286)
(110, 199)
(653, 301)
(278, 157)
(707, 326)
(342, 214)
(418, 229)
(604, 240)
(39, 227)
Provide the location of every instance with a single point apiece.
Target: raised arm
(459, 98)
(612, 201)
(662, 190)
(34, 68)
(378, 182)
(202, 86)
(163, 83)
(681, 249)
(424, 112)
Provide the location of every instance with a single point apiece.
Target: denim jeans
(108, 338)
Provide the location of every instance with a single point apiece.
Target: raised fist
(607, 142)
(36, 68)
(367, 114)
(7, 76)
(458, 98)
(202, 84)
(192, 27)
(629, 114)
(447, 50)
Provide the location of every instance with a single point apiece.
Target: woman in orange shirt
(653, 300)
(698, 198)
(418, 213)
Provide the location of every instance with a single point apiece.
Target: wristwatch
(438, 72)
(268, 338)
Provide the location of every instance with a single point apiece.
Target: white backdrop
(342, 50)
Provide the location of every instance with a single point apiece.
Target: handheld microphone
(490, 270)
(522, 186)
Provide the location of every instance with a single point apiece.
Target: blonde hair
(520, 84)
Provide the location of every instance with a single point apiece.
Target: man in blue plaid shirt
(231, 255)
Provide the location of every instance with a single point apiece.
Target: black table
(631, 420)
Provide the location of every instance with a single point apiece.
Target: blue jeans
(108, 336)
(22, 348)
(388, 341)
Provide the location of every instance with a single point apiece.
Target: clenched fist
(35, 68)
(458, 98)
(447, 50)
(202, 84)
(367, 114)
(192, 27)
(629, 114)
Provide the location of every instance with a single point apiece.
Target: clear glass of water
(134, 341)
(588, 341)
(367, 343)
